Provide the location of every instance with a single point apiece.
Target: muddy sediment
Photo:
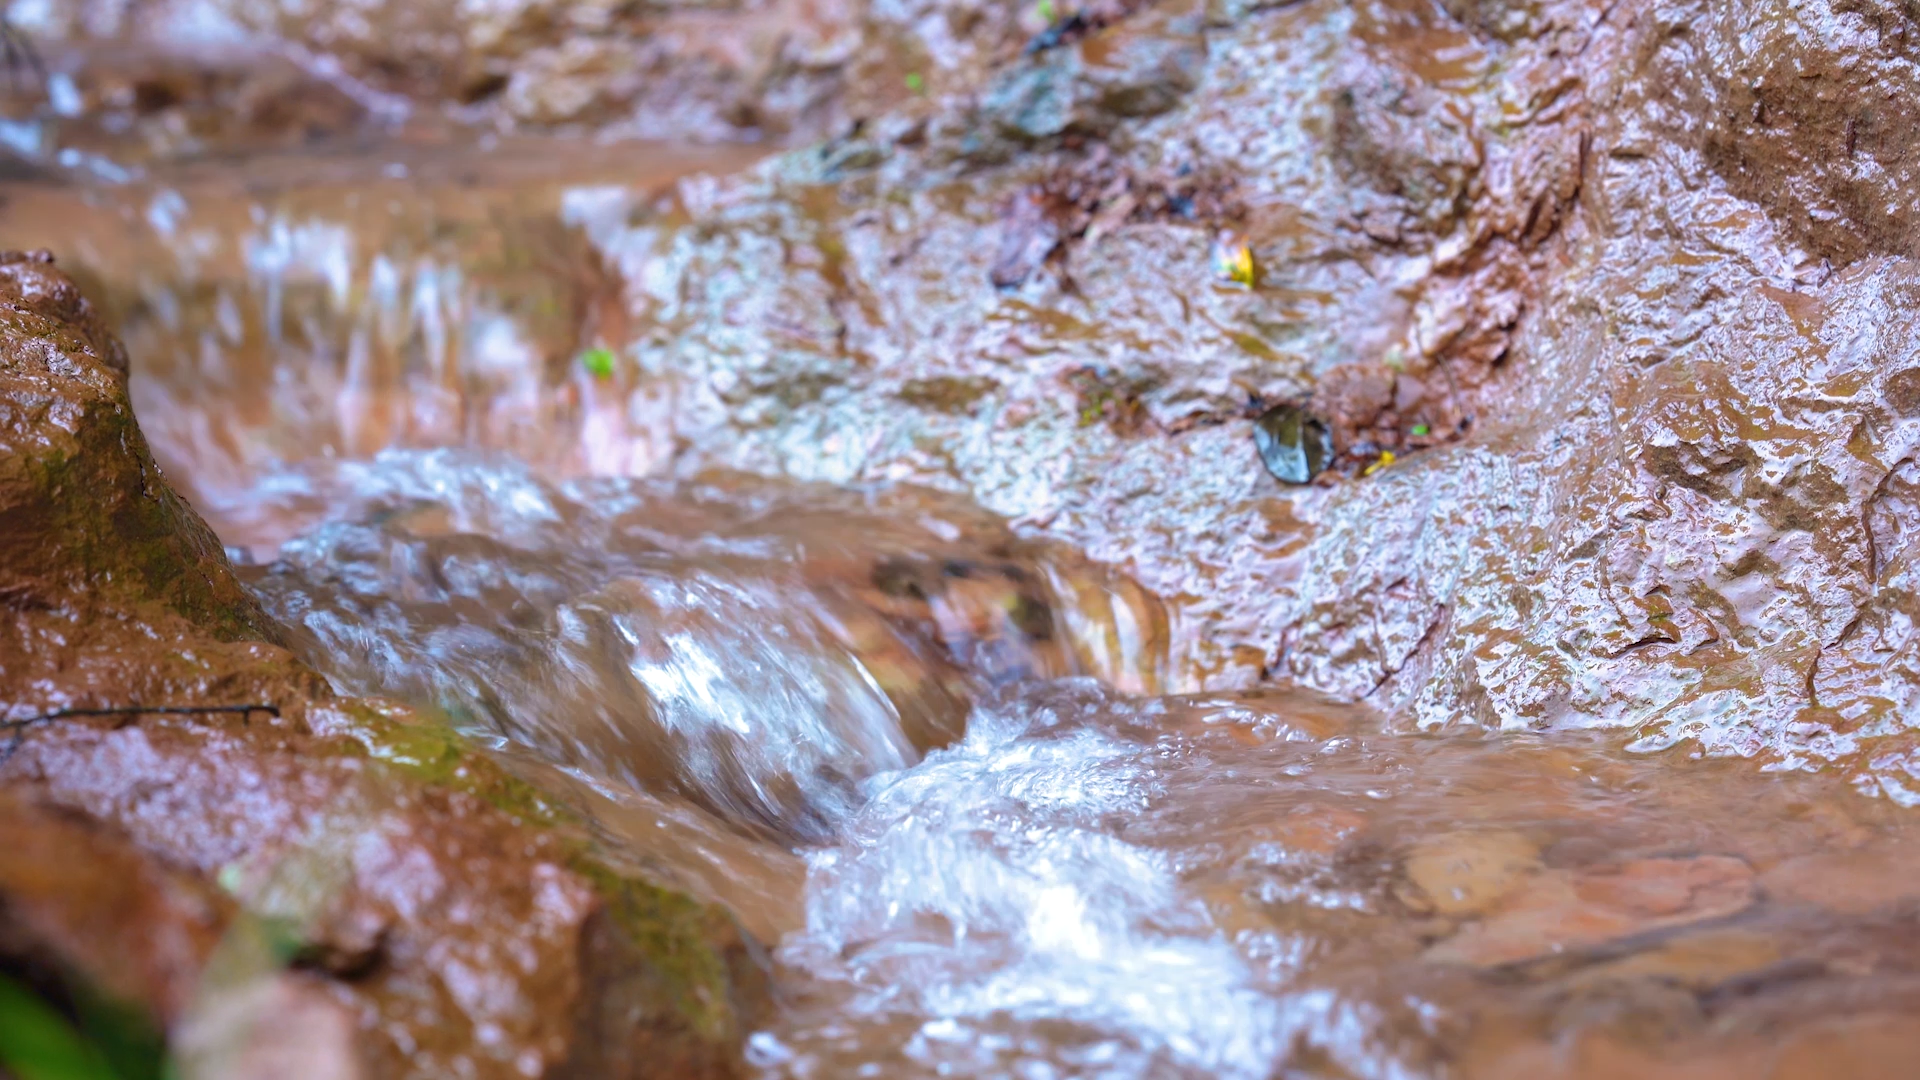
(1605, 310)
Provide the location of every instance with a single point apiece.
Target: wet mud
(1200, 538)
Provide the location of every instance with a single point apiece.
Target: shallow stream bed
(938, 623)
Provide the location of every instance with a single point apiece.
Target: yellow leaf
(1233, 261)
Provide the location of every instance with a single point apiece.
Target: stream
(955, 772)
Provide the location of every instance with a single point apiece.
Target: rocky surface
(1606, 305)
(194, 76)
(213, 873)
(1606, 317)
(1638, 341)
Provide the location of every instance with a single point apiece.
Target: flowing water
(939, 765)
(894, 736)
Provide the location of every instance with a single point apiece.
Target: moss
(428, 749)
(676, 935)
(112, 517)
(680, 941)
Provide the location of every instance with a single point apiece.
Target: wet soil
(858, 532)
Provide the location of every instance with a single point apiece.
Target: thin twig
(20, 726)
(18, 52)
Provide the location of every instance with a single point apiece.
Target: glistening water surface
(1011, 867)
(934, 763)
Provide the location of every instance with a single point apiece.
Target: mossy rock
(85, 514)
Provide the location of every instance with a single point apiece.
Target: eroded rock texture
(307, 879)
(1627, 289)
(1640, 301)
(1624, 287)
(765, 69)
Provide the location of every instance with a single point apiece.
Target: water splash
(762, 651)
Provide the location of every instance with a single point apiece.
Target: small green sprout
(1421, 431)
(598, 361)
(915, 83)
(1046, 11)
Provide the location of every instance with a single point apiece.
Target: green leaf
(1421, 430)
(37, 1043)
(1046, 11)
(598, 361)
(915, 83)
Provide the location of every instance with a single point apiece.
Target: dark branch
(19, 727)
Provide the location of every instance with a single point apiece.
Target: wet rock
(1855, 883)
(279, 1026)
(1504, 20)
(1294, 445)
(1660, 337)
(910, 285)
(1034, 102)
(1871, 1047)
(1549, 321)
(757, 70)
(1531, 214)
(1874, 1045)
(395, 866)
(1358, 404)
(1562, 910)
(1393, 134)
(1811, 108)
(84, 905)
(1082, 202)
(1027, 236)
(1700, 960)
(1468, 873)
(1141, 67)
(85, 516)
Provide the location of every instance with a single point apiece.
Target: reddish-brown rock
(437, 916)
